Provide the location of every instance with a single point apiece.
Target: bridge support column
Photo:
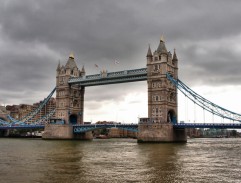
(154, 132)
(53, 131)
(162, 98)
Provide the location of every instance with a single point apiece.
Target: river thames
(119, 160)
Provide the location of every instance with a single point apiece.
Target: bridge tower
(70, 98)
(162, 98)
(69, 103)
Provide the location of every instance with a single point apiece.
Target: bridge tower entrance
(162, 97)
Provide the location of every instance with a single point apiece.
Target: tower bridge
(162, 95)
(161, 74)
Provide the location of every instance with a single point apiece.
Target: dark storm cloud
(34, 35)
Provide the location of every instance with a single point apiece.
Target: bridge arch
(73, 119)
(171, 116)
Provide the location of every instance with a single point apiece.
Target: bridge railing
(92, 127)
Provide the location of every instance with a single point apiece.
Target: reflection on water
(119, 160)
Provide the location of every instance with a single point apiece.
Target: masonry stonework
(162, 98)
(70, 98)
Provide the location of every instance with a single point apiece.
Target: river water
(119, 160)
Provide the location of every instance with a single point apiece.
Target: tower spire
(83, 69)
(71, 55)
(162, 47)
(174, 58)
(162, 38)
(149, 54)
(58, 67)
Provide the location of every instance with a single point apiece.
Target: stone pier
(160, 133)
(54, 131)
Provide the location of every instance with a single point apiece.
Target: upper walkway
(111, 77)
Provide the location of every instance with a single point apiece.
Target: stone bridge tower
(70, 98)
(69, 103)
(162, 98)
(162, 94)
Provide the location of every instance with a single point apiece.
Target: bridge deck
(131, 127)
(22, 127)
(208, 125)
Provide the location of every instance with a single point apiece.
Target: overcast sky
(35, 35)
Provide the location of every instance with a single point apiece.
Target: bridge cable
(204, 116)
(202, 102)
(31, 115)
(212, 117)
(185, 108)
(194, 108)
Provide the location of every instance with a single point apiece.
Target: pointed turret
(174, 58)
(58, 67)
(71, 55)
(162, 47)
(83, 69)
(149, 54)
(71, 62)
(82, 72)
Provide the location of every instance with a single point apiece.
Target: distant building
(193, 132)
(121, 133)
(19, 111)
(3, 113)
(51, 105)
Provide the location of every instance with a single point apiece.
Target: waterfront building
(121, 133)
(19, 111)
(51, 105)
(3, 113)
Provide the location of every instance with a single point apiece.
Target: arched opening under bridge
(73, 119)
(171, 116)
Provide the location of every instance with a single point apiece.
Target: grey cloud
(101, 31)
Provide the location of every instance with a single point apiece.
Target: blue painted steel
(86, 128)
(30, 115)
(111, 77)
(134, 127)
(208, 125)
(2, 122)
(204, 103)
(12, 119)
(45, 118)
(129, 127)
(20, 124)
(22, 127)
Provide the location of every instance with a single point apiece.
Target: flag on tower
(96, 66)
(116, 62)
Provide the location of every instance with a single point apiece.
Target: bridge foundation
(4, 133)
(53, 131)
(157, 132)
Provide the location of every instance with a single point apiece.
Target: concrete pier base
(155, 132)
(53, 131)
